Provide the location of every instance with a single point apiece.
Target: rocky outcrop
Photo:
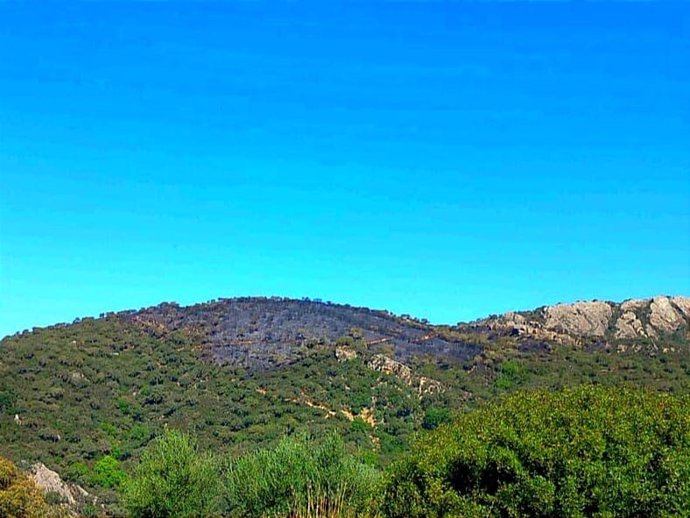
(384, 364)
(607, 323)
(683, 305)
(424, 385)
(429, 386)
(629, 326)
(344, 354)
(634, 304)
(580, 318)
(516, 325)
(50, 482)
(663, 317)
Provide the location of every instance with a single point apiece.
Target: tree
(583, 452)
(173, 479)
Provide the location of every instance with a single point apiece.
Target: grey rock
(663, 316)
(580, 318)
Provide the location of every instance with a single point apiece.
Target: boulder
(50, 482)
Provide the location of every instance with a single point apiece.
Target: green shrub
(434, 417)
(360, 425)
(173, 479)
(582, 452)
(512, 374)
(107, 472)
(77, 472)
(299, 478)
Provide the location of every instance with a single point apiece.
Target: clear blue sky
(443, 160)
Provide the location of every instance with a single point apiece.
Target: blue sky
(447, 160)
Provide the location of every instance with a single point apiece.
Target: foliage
(512, 374)
(299, 478)
(107, 473)
(581, 452)
(173, 479)
(434, 417)
(19, 496)
(8, 400)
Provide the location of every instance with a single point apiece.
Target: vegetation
(19, 496)
(173, 479)
(299, 478)
(581, 452)
(90, 396)
(588, 452)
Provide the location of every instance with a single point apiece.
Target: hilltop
(259, 332)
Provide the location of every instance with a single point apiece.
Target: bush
(583, 452)
(299, 478)
(511, 374)
(19, 496)
(107, 473)
(173, 479)
(434, 417)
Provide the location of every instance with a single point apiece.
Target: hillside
(241, 373)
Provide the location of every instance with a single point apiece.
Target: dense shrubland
(174, 479)
(91, 396)
(299, 478)
(582, 452)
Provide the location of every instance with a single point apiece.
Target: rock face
(384, 364)
(683, 305)
(581, 318)
(50, 482)
(629, 326)
(663, 316)
(634, 304)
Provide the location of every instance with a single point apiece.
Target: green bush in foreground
(582, 452)
(173, 480)
(299, 478)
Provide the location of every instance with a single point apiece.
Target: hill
(85, 398)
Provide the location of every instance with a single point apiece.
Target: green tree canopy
(581, 452)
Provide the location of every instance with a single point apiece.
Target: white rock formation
(50, 482)
(580, 318)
